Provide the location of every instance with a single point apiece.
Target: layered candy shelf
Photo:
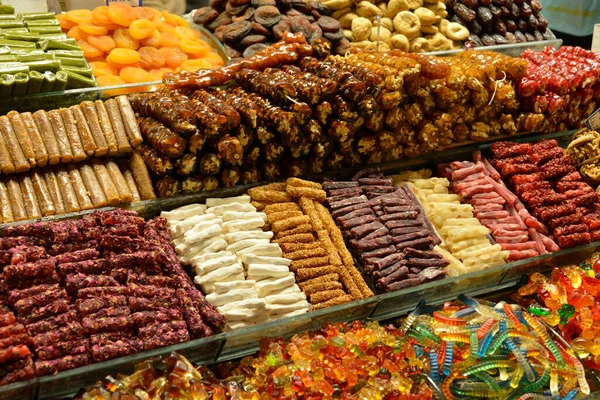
(244, 341)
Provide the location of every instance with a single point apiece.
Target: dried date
(542, 23)
(500, 27)
(472, 4)
(475, 28)
(499, 39)
(487, 40)
(533, 23)
(484, 16)
(511, 25)
(522, 25)
(525, 10)
(464, 13)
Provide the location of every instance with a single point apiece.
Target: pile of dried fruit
(245, 26)
(125, 44)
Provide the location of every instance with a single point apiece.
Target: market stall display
(307, 234)
(36, 57)
(97, 288)
(249, 26)
(241, 272)
(125, 44)
(466, 349)
(500, 22)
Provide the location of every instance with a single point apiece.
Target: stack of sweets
(462, 234)
(16, 362)
(387, 229)
(244, 274)
(105, 286)
(308, 236)
(550, 186)
(498, 209)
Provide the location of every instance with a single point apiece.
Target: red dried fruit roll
(37, 269)
(63, 349)
(89, 306)
(20, 339)
(74, 282)
(110, 312)
(143, 318)
(165, 110)
(114, 217)
(51, 367)
(57, 307)
(99, 266)
(196, 326)
(164, 334)
(574, 239)
(18, 294)
(7, 318)
(39, 230)
(11, 330)
(122, 244)
(52, 323)
(26, 253)
(150, 291)
(154, 280)
(19, 374)
(100, 291)
(57, 249)
(119, 348)
(144, 304)
(14, 353)
(161, 138)
(106, 324)
(27, 304)
(76, 256)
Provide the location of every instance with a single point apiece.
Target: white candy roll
(267, 286)
(235, 215)
(219, 274)
(269, 250)
(237, 207)
(285, 298)
(191, 222)
(219, 299)
(252, 304)
(233, 237)
(286, 308)
(243, 225)
(214, 201)
(267, 270)
(198, 235)
(244, 244)
(224, 287)
(181, 213)
(211, 265)
(289, 314)
(254, 259)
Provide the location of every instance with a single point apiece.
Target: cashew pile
(408, 25)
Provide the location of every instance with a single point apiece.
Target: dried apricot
(166, 28)
(122, 14)
(214, 59)
(100, 15)
(168, 39)
(173, 56)
(195, 65)
(152, 40)
(124, 40)
(65, 23)
(179, 21)
(103, 42)
(134, 75)
(117, 65)
(88, 49)
(79, 16)
(124, 56)
(151, 58)
(157, 74)
(186, 33)
(100, 68)
(195, 47)
(93, 29)
(169, 18)
(76, 33)
(150, 14)
(141, 28)
(110, 80)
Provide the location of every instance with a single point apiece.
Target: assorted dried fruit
(500, 21)
(246, 27)
(125, 44)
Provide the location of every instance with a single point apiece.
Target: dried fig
(384, 34)
(255, 48)
(205, 15)
(346, 20)
(408, 24)
(329, 24)
(425, 15)
(456, 31)
(464, 13)
(400, 42)
(361, 28)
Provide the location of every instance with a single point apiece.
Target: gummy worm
(541, 331)
(485, 327)
(410, 319)
(484, 366)
(448, 358)
(521, 359)
(484, 344)
(434, 367)
(511, 315)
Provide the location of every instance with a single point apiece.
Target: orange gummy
(152, 40)
(168, 39)
(65, 23)
(122, 14)
(195, 47)
(93, 29)
(89, 51)
(79, 16)
(141, 28)
(100, 68)
(157, 74)
(104, 42)
(173, 56)
(134, 75)
(76, 33)
(124, 40)
(110, 80)
(151, 58)
(124, 56)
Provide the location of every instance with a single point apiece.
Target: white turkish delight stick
(181, 213)
(243, 225)
(267, 286)
(244, 244)
(235, 215)
(214, 202)
(248, 304)
(269, 250)
(254, 259)
(224, 287)
(192, 250)
(219, 274)
(191, 222)
(209, 256)
(237, 207)
(286, 298)
(286, 308)
(219, 299)
(233, 237)
(195, 236)
(211, 265)
(266, 270)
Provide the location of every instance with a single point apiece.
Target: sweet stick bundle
(242, 273)
(307, 234)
